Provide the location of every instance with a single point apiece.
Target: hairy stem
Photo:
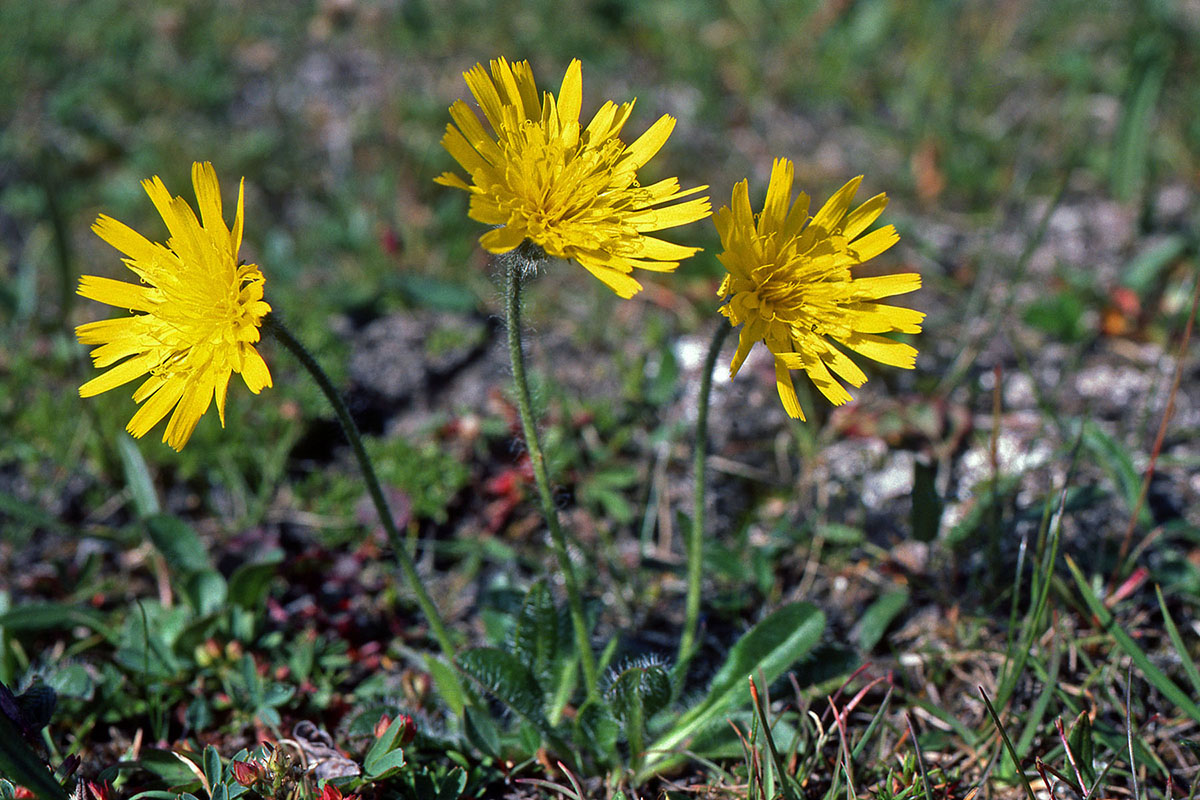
(516, 264)
(285, 337)
(695, 540)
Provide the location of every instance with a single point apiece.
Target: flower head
(790, 286)
(572, 191)
(196, 313)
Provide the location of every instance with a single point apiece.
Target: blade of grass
(1033, 719)
(1189, 665)
(912, 731)
(1151, 673)
(872, 725)
(1012, 753)
(1040, 598)
(1137, 793)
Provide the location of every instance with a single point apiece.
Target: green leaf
(27, 514)
(72, 680)
(205, 591)
(596, 729)
(508, 679)
(926, 503)
(212, 765)
(385, 756)
(449, 688)
(250, 583)
(18, 763)
(54, 616)
(452, 785)
(1060, 315)
(168, 766)
(480, 730)
(1135, 129)
(639, 692)
(137, 477)
(766, 651)
(837, 533)
(1143, 271)
(535, 638)
(721, 742)
(178, 542)
(1113, 458)
(1083, 747)
(875, 620)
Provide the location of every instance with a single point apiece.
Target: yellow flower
(196, 314)
(790, 286)
(573, 192)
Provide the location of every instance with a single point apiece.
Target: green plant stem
(277, 329)
(695, 540)
(516, 264)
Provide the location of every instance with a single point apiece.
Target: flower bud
(247, 773)
(408, 730)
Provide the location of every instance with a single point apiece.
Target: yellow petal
(527, 92)
(882, 349)
(477, 139)
(121, 374)
(875, 242)
(208, 199)
(481, 86)
(501, 240)
(878, 318)
(861, 218)
(452, 180)
(107, 330)
(156, 407)
(752, 332)
(779, 191)
(787, 391)
(220, 392)
(238, 219)
(254, 370)
(625, 286)
(650, 142)
(192, 404)
(117, 293)
(125, 239)
(841, 365)
(649, 247)
(461, 151)
(832, 212)
(877, 286)
(570, 94)
(657, 219)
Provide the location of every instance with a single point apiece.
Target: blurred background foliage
(969, 114)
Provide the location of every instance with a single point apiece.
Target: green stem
(695, 541)
(516, 264)
(273, 325)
